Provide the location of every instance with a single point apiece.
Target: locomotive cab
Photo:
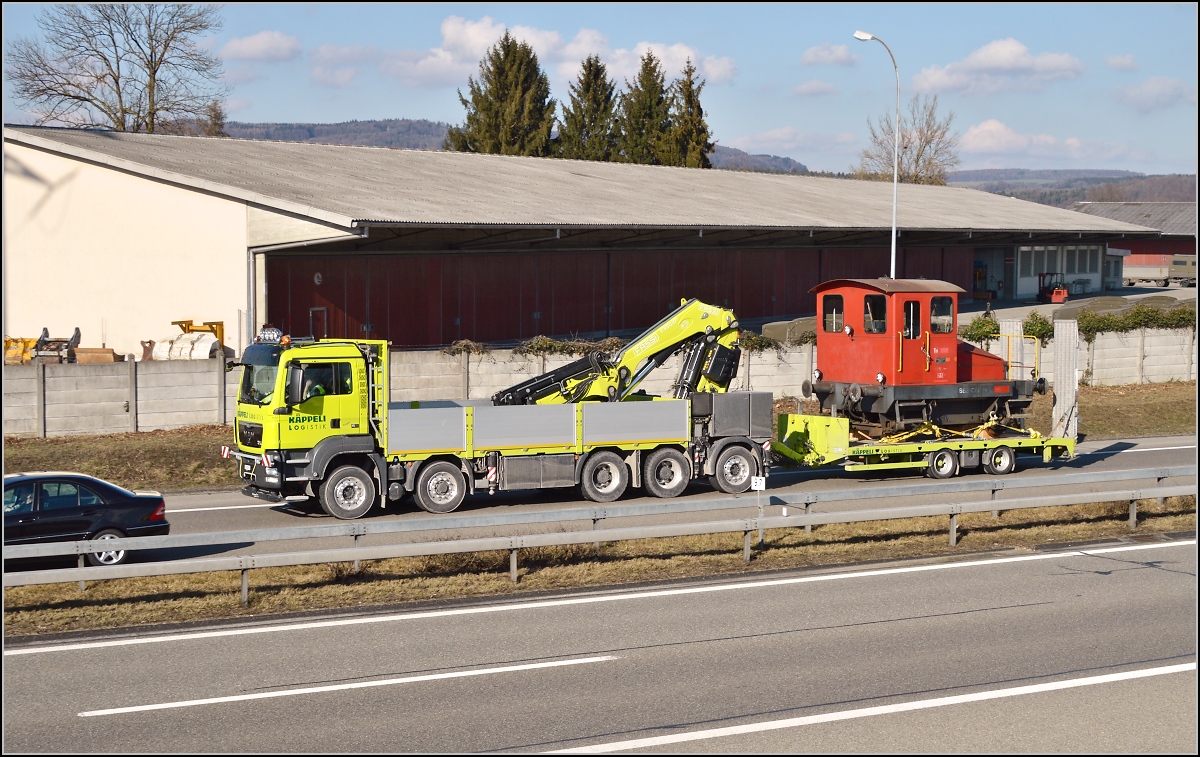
(889, 358)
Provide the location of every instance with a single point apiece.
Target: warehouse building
(122, 234)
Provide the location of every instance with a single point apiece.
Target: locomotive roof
(890, 286)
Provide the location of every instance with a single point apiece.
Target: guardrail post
(760, 528)
(808, 511)
(356, 562)
(80, 565)
(595, 524)
(953, 529)
(512, 565)
(746, 546)
(245, 587)
(1133, 513)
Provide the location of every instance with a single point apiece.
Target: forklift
(1051, 288)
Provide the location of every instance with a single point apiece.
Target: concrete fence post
(1065, 416)
(39, 383)
(465, 362)
(1141, 358)
(221, 389)
(133, 396)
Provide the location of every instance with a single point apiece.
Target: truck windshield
(258, 376)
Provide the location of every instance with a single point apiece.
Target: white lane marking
(866, 712)
(345, 686)
(578, 600)
(219, 507)
(1136, 449)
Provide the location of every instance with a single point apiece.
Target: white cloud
(829, 55)
(814, 87)
(335, 77)
(993, 137)
(339, 55)
(789, 138)
(465, 42)
(241, 74)
(265, 46)
(1122, 62)
(998, 66)
(1157, 92)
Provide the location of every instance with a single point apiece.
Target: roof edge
(49, 145)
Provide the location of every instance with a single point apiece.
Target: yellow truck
(314, 420)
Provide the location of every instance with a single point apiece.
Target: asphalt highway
(1087, 650)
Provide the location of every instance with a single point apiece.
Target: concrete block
(96, 424)
(87, 410)
(168, 393)
(85, 396)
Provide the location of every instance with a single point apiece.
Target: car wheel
(999, 461)
(943, 464)
(110, 557)
(666, 473)
(604, 477)
(734, 468)
(440, 488)
(348, 493)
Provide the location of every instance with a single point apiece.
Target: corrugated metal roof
(1174, 218)
(890, 286)
(370, 185)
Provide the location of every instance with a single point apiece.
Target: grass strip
(34, 610)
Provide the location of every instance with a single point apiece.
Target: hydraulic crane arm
(708, 336)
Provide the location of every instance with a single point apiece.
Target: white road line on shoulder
(173, 510)
(541, 604)
(866, 712)
(1107, 453)
(345, 686)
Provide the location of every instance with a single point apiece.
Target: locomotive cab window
(941, 315)
(912, 320)
(875, 314)
(834, 311)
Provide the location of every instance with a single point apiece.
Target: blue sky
(1030, 85)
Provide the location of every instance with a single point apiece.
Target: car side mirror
(230, 365)
(285, 410)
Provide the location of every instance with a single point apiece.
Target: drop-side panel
(426, 429)
(632, 422)
(520, 426)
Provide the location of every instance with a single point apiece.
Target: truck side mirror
(291, 391)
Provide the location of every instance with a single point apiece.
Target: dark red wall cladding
(436, 299)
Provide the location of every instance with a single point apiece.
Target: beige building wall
(117, 255)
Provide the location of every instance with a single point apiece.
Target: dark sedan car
(41, 507)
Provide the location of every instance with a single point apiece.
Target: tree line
(509, 111)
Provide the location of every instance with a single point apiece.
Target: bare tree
(125, 67)
(928, 149)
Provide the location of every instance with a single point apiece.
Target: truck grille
(250, 434)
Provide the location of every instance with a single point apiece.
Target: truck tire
(604, 477)
(999, 461)
(943, 464)
(666, 472)
(1164, 283)
(348, 493)
(440, 488)
(735, 466)
(1127, 283)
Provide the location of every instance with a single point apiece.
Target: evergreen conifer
(644, 122)
(510, 111)
(691, 141)
(587, 131)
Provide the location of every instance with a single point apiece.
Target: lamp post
(866, 37)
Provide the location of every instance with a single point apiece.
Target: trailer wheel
(604, 477)
(943, 464)
(735, 466)
(666, 473)
(440, 488)
(1164, 283)
(348, 493)
(999, 461)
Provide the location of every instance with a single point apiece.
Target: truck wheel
(666, 473)
(440, 488)
(735, 465)
(604, 477)
(1127, 283)
(348, 493)
(999, 461)
(1164, 283)
(943, 464)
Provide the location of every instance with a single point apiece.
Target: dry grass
(173, 599)
(1119, 412)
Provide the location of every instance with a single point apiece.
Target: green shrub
(1040, 326)
(466, 347)
(1140, 317)
(544, 345)
(982, 330)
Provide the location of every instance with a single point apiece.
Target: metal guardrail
(245, 563)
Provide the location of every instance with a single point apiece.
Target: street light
(866, 37)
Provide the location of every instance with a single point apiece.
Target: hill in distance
(1064, 187)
